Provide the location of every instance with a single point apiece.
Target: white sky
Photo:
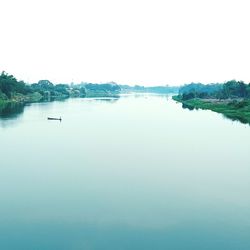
(148, 42)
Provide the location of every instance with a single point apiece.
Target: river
(137, 172)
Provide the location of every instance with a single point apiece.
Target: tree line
(231, 89)
(10, 87)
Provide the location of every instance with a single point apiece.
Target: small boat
(55, 119)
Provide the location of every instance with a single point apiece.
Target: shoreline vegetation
(14, 94)
(14, 91)
(232, 99)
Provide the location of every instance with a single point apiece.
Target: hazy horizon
(150, 43)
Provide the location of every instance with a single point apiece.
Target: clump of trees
(10, 87)
(110, 89)
(235, 89)
(230, 90)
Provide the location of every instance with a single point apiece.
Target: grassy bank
(234, 109)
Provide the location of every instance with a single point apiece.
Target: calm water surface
(138, 172)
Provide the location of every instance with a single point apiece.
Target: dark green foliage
(62, 88)
(187, 96)
(9, 85)
(43, 86)
(18, 91)
(199, 90)
(231, 89)
(82, 92)
(46, 84)
(234, 89)
(238, 104)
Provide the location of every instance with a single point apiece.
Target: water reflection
(227, 116)
(104, 99)
(185, 106)
(11, 110)
(235, 118)
(11, 113)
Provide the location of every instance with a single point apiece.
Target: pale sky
(147, 42)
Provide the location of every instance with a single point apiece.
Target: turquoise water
(138, 172)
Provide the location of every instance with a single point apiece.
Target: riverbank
(235, 109)
(20, 98)
(31, 98)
